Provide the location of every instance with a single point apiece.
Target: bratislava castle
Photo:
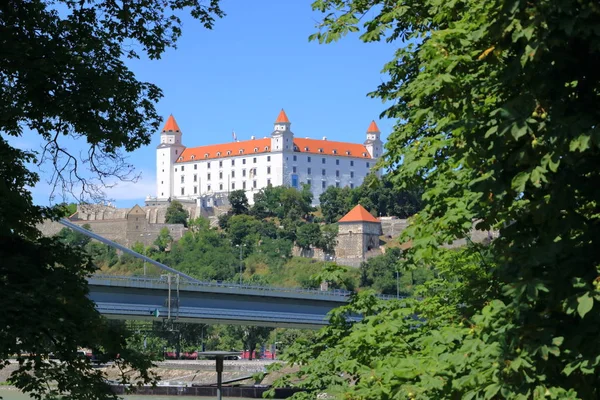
(195, 173)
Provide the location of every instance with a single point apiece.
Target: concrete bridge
(206, 302)
(177, 296)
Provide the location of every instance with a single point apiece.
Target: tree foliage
(379, 195)
(238, 202)
(176, 214)
(63, 75)
(497, 104)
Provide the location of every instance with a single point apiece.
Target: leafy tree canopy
(498, 110)
(176, 214)
(238, 202)
(63, 75)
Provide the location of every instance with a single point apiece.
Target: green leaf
(586, 302)
(520, 180)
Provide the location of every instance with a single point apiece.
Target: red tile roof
(282, 118)
(328, 147)
(212, 151)
(171, 125)
(358, 214)
(373, 127)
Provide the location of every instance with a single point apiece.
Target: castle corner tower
(167, 153)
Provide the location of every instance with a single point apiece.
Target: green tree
(238, 202)
(328, 238)
(243, 229)
(335, 203)
(497, 110)
(74, 238)
(163, 240)
(308, 235)
(63, 75)
(176, 214)
(250, 336)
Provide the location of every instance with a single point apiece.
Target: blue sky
(238, 76)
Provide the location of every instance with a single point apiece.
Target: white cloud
(145, 186)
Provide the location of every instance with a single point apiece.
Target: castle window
(233, 174)
(228, 152)
(266, 148)
(320, 150)
(323, 172)
(241, 151)
(195, 178)
(295, 158)
(337, 162)
(368, 165)
(176, 152)
(220, 175)
(254, 160)
(218, 154)
(206, 155)
(347, 152)
(352, 163)
(182, 168)
(308, 182)
(256, 149)
(195, 189)
(208, 177)
(323, 184)
(244, 161)
(208, 165)
(232, 163)
(180, 158)
(293, 169)
(232, 185)
(269, 170)
(334, 152)
(243, 172)
(208, 188)
(351, 174)
(268, 158)
(322, 161)
(364, 154)
(254, 184)
(352, 186)
(175, 169)
(337, 184)
(220, 164)
(195, 166)
(308, 159)
(337, 174)
(244, 185)
(182, 191)
(268, 182)
(309, 171)
(220, 186)
(306, 149)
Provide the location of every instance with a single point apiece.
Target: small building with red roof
(358, 236)
(202, 173)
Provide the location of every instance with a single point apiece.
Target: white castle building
(204, 173)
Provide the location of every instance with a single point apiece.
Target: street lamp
(145, 249)
(397, 283)
(241, 249)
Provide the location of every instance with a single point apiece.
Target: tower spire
(282, 118)
(171, 125)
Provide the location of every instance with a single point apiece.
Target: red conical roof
(282, 118)
(171, 125)
(358, 214)
(373, 127)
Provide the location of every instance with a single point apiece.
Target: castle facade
(205, 173)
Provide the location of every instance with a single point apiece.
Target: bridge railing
(231, 285)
